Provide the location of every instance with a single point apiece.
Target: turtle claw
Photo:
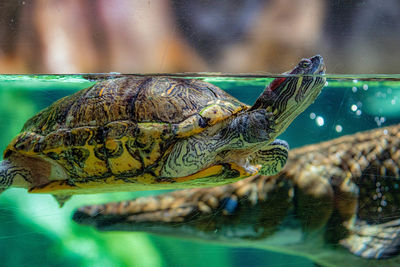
(249, 168)
(62, 199)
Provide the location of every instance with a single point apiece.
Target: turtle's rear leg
(34, 173)
(12, 175)
(272, 158)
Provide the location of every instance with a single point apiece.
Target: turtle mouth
(322, 69)
(318, 65)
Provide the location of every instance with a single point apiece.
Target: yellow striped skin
(215, 175)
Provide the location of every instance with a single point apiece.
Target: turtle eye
(305, 63)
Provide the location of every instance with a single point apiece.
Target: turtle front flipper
(374, 241)
(239, 138)
(272, 158)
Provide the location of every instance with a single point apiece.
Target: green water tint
(253, 84)
(348, 104)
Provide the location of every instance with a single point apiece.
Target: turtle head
(287, 97)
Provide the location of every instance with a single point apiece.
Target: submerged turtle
(156, 132)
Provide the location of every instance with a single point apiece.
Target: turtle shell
(122, 129)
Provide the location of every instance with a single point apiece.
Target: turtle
(156, 132)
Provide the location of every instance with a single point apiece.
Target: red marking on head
(276, 83)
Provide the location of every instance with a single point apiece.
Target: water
(34, 223)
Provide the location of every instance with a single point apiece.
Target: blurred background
(145, 36)
(355, 36)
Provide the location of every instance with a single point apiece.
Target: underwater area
(337, 201)
(34, 231)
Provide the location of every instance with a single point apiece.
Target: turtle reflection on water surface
(154, 133)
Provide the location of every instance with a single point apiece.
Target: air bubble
(358, 112)
(320, 121)
(312, 115)
(353, 107)
(339, 128)
(354, 89)
(393, 101)
(365, 87)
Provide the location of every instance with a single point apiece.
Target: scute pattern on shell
(122, 128)
(147, 99)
